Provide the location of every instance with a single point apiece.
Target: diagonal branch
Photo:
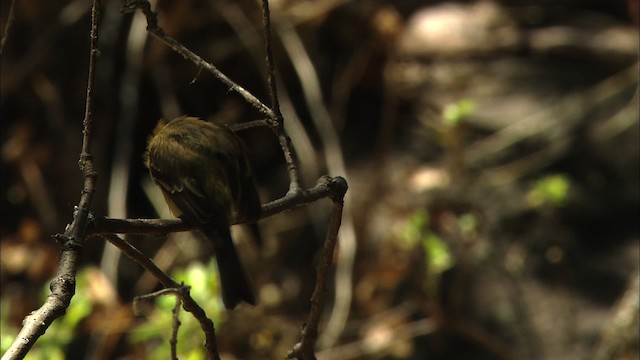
(188, 303)
(130, 6)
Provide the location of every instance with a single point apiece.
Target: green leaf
(156, 330)
(454, 113)
(413, 229)
(438, 254)
(552, 190)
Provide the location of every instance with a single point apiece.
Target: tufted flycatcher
(204, 174)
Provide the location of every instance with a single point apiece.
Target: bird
(205, 176)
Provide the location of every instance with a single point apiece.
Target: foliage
(438, 256)
(549, 190)
(155, 331)
(63, 331)
(456, 112)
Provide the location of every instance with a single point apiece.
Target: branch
(179, 293)
(271, 71)
(304, 349)
(188, 303)
(72, 241)
(130, 6)
(278, 120)
(326, 187)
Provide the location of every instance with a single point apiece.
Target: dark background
(554, 92)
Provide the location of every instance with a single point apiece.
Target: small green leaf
(454, 113)
(552, 190)
(438, 255)
(412, 231)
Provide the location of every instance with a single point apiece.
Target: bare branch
(72, 241)
(249, 124)
(271, 71)
(179, 293)
(152, 26)
(289, 157)
(174, 328)
(326, 187)
(304, 349)
(188, 303)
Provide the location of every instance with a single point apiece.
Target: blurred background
(491, 150)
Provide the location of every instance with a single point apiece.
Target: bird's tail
(234, 280)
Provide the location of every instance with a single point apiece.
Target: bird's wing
(185, 196)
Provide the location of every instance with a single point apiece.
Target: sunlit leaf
(454, 113)
(552, 190)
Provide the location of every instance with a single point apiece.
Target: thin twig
(289, 157)
(152, 26)
(271, 71)
(249, 125)
(175, 326)
(188, 304)
(72, 241)
(300, 139)
(7, 26)
(179, 293)
(278, 126)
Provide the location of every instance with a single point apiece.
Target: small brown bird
(205, 177)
